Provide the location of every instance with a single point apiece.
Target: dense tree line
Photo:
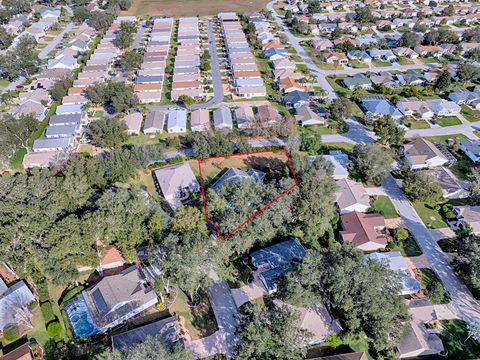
(50, 220)
(14, 134)
(108, 132)
(22, 60)
(124, 37)
(117, 95)
(363, 293)
(467, 261)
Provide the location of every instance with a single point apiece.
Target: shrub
(54, 330)
(11, 332)
(401, 234)
(72, 292)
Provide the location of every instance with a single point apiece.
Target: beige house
(306, 116)
(422, 154)
(134, 123)
(351, 196)
(414, 107)
(176, 183)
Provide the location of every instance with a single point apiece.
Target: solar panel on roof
(99, 301)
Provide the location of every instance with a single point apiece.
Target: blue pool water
(79, 316)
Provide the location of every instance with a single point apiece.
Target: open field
(145, 8)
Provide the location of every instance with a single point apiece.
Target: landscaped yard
(405, 61)
(407, 247)
(296, 58)
(432, 286)
(444, 138)
(448, 121)
(380, 63)
(470, 114)
(4, 82)
(453, 337)
(418, 124)
(430, 217)
(358, 64)
(383, 205)
(17, 158)
(428, 60)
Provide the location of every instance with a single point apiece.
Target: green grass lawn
(429, 279)
(448, 121)
(418, 124)
(4, 82)
(430, 217)
(302, 68)
(444, 138)
(470, 114)
(296, 58)
(17, 158)
(41, 46)
(383, 205)
(346, 147)
(358, 64)
(428, 60)
(454, 334)
(380, 63)
(405, 61)
(141, 139)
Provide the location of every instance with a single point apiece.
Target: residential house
(421, 338)
(244, 116)
(415, 108)
(69, 109)
(364, 231)
(222, 118)
(331, 57)
(349, 356)
(154, 123)
(359, 56)
(30, 107)
(274, 261)
(357, 81)
(16, 297)
(296, 99)
(233, 176)
(427, 50)
(200, 120)
(289, 84)
(340, 163)
(442, 107)
(134, 123)
(283, 64)
(166, 331)
(176, 121)
(322, 44)
(23, 352)
(39, 159)
(410, 78)
(468, 215)
(422, 154)
(386, 55)
(64, 62)
(378, 105)
(276, 54)
(452, 188)
(465, 96)
(176, 182)
(385, 79)
(405, 52)
(306, 116)
(112, 301)
(351, 196)
(395, 261)
(268, 114)
(471, 148)
(53, 144)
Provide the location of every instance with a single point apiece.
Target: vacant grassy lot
(145, 8)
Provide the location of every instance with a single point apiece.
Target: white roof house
(442, 107)
(177, 121)
(422, 154)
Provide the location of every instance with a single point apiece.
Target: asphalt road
(216, 75)
(52, 44)
(462, 304)
(138, 38)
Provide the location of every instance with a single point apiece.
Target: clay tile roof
(112, 255)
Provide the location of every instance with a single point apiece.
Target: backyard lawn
(17, 158)
(470, 114)
(448, 121)
(430, 217)
(383, 205)
(454, 334)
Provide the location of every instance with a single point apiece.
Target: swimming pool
(80, 318)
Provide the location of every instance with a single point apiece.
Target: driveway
(137, 42)
(462, 304)
(216, 75)
(207, 346)
(249, 292)
(43, 54)
(226, 314)
(356, 134)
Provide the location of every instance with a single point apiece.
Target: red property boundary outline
(256, 213)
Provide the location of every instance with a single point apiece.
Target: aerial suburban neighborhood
(252, 180)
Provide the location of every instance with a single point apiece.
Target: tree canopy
(371, 162)
(108, 132)
(419, 186)
(14, 134)
(118, 95)
(363, 292)
(467, 261)
(23, 59)
(388, 131)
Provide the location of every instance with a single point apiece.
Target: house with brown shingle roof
(351, 196)
(364, 231)
(200, 120)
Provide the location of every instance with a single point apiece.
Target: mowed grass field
(178, 8)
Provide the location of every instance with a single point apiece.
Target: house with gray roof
(112, 301)
(62, 131)
(154, 123)
(234, 175)
(351, 196)
(305, 116)
(53, 144)
(471, 148)
(442, 107)
(66, 119)
(222, 118)
(375, 106)
(274, 261)
(166, 331)
(64, 62)
(13, 299)
(176, 182)
(357, 81)
(296, 98)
